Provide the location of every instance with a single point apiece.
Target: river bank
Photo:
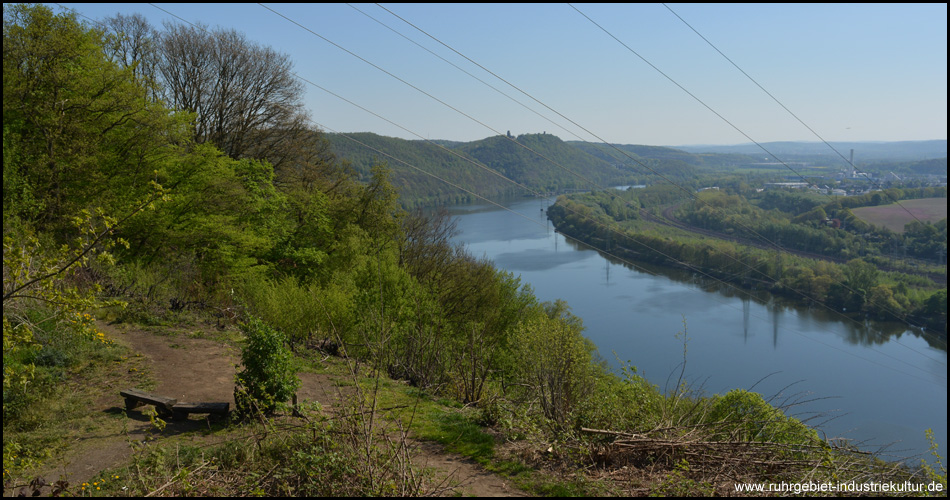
(871, 382)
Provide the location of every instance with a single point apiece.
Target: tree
(934, 309)
(883, 304)
(225, 214)
(131, 42)
(78, 131)
(245, 97)
(860, 277)
(556, 361)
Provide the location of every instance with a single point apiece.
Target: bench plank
(135, 398)
(182, 410)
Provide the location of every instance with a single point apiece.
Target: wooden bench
(135, 398)
(170, 408)
(181, 411)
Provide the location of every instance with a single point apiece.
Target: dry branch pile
(688, 452)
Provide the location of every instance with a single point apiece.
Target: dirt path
(192, 368)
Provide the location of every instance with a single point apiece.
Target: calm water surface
(877, 383)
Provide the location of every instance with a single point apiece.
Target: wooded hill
(495, 166)
(432, 172)
(540, 163)
(631, 156)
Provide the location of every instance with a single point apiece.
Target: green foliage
(935, 308)
(269, 378)
(542, 162)
(309, 233)
(414, 186)
(81, 131)
(626, 402)
(859, 278)
(857, 287)
(746, 416)
(926, 240)
(490, 303)
(678, 483)
(560, 166)
(44, 350)
(555, 361)
(936, 472)
(226, 213)
(792, 202)
(296, 310)
(889, 196)
(45, 303)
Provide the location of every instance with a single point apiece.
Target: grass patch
(457, 428)
(43, 417)
(459, 434)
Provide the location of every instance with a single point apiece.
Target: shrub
(747, 416)
(556, 361)
(630, 403)
(268, 379)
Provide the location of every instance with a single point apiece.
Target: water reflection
(890, 378)
(535, 260)
(859, 331)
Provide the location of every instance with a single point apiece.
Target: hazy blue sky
(853, 72)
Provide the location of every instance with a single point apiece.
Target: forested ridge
(166, 177)
(526, 165)
(851, 279)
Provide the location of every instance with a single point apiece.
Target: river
(877, 384)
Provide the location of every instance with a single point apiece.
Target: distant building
(835, 223)
(786, 185)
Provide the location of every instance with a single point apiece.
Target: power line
(777, 246)
(688, 192)
(621, 259)
(822, 139)
(490, 170)
(596, 222)
(483, 82)
(416, 88)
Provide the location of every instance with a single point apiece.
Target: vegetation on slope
(496, 166)
(125, 197)
(412, 179)
(854, 282)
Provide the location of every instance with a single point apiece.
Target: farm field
(894, 217)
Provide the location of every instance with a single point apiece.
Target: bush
(556, 365)
(268, 379)
(630, 403)
(747, 416)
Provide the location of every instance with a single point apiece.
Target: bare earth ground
(202, 370)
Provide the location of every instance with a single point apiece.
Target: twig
(166, 485)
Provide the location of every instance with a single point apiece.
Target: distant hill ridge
(543, 163)
(863, 151)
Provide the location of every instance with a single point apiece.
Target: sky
(852, 72)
